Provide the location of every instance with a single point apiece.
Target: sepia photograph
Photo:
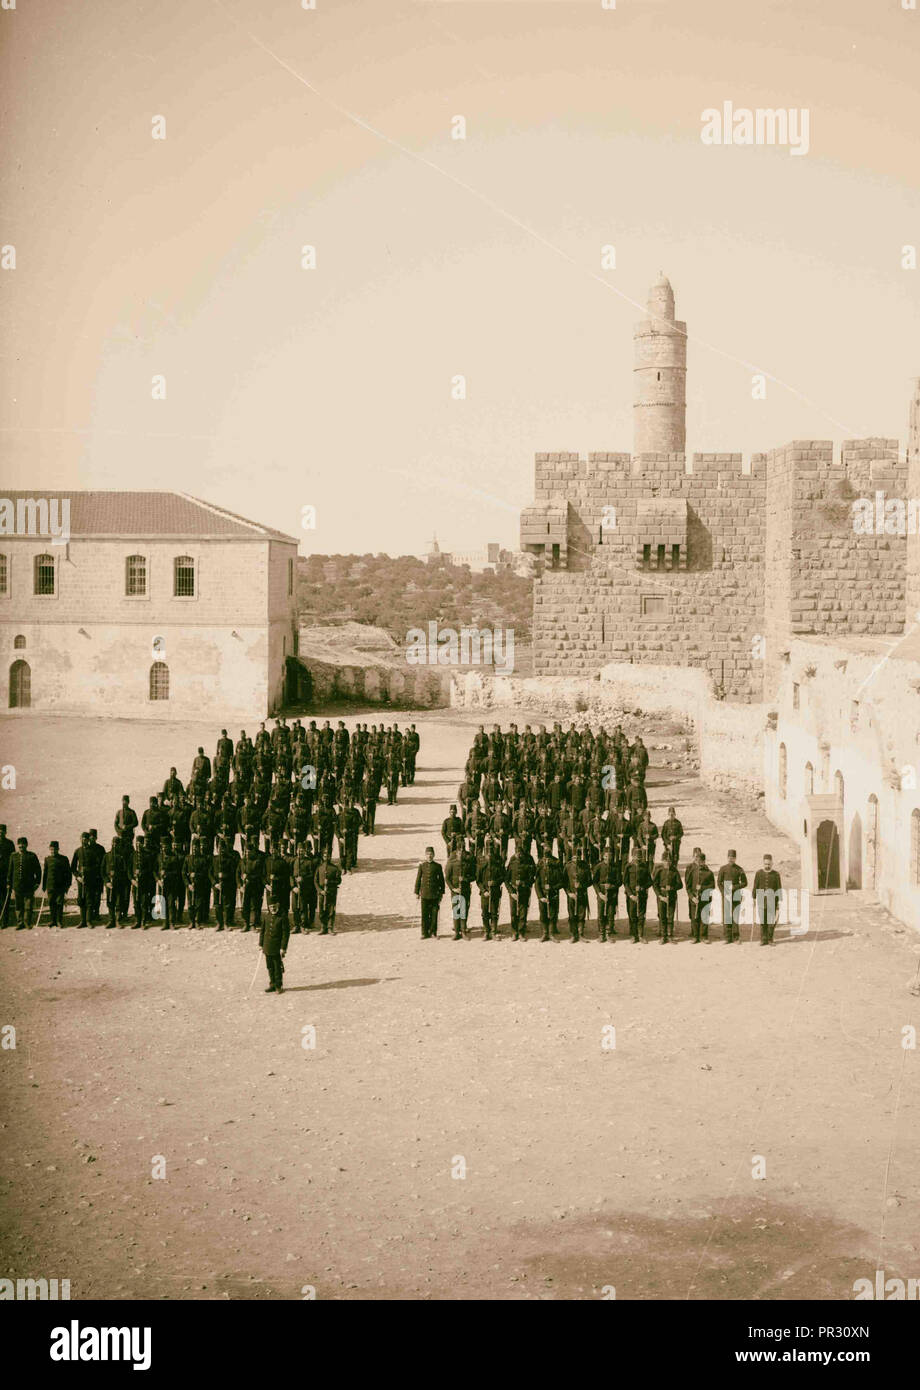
(460, 494)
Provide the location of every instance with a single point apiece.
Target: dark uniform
(666, 881)
(7, 849)
(459, 873)
(327, 878)
(519, 877)
(116, 873)
(699, 882)
(25, 874)
(730, 880)
(252, 877)
(196, 874)
(143, 880)
(490, 876)
(575, 878)
(274, 935)
(306, 862)
(429, 889)
(549, 885)
(607, 880)
(225, 878)
(636, 881)
(767, 887)
(56, 879)
(85, 868)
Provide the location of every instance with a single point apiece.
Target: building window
(646, 556)
(19, 642)
(809, 780)
(159, 681)
(795, 697)
(4, 575)
(290, 577)
(782, 771)
(653, 605)
(184, 577)
(675, 556)
(661, 557)
(838, 786)
(20, 685)
(915, 848)
(136, 576)
(44, 574)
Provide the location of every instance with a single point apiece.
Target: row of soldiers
(580, 797)
(294, 786)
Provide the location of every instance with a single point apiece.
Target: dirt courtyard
(461, 1128)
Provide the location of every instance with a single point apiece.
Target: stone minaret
(660, 376)
(913, 491)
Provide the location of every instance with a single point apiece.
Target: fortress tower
(660, 375)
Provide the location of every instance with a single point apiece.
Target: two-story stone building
(144, 605)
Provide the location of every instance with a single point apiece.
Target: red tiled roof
(151, 514)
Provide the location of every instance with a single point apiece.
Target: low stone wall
(376, 683)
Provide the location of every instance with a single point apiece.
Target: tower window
(19, 642)
(43, 573)
(184, 577)
(290, 577)
(4, 575)
(661, 557)
(646, 556)
(675, 556)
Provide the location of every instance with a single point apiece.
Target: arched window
(838, 786)
(915, 848)
(136, 576)
(19, 642)
(159, 681)
(782, 770)
(184, 576)
(43, 574)
(4, 574)
(809, 780)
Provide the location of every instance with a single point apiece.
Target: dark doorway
(828, 844)
(20, 685)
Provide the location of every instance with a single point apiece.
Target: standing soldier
(429, 889)
(225, 877)
(549, 884)
(672, 832)
(196, 873)
(304, 871)
(459, 872)
(667, 882)
(56, 879)
(731, 879)
(394, 766)
(327, 879)
(273, 940)
(252, 877)
(575, 878)
(172, 787)
(519, 876)
(143, 881)
(352, 831)
(25, 874)
(116, 873)
(278, 875)
(371, 795)
(636, 880)
(170, 886)
(7, 849)
(451, 828)
(325, 825)
(607, 881)
(490, 875)
(699, 882)
(85, 870)
(126, 821)
(767, 887)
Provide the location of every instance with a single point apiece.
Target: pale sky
(437, 257)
